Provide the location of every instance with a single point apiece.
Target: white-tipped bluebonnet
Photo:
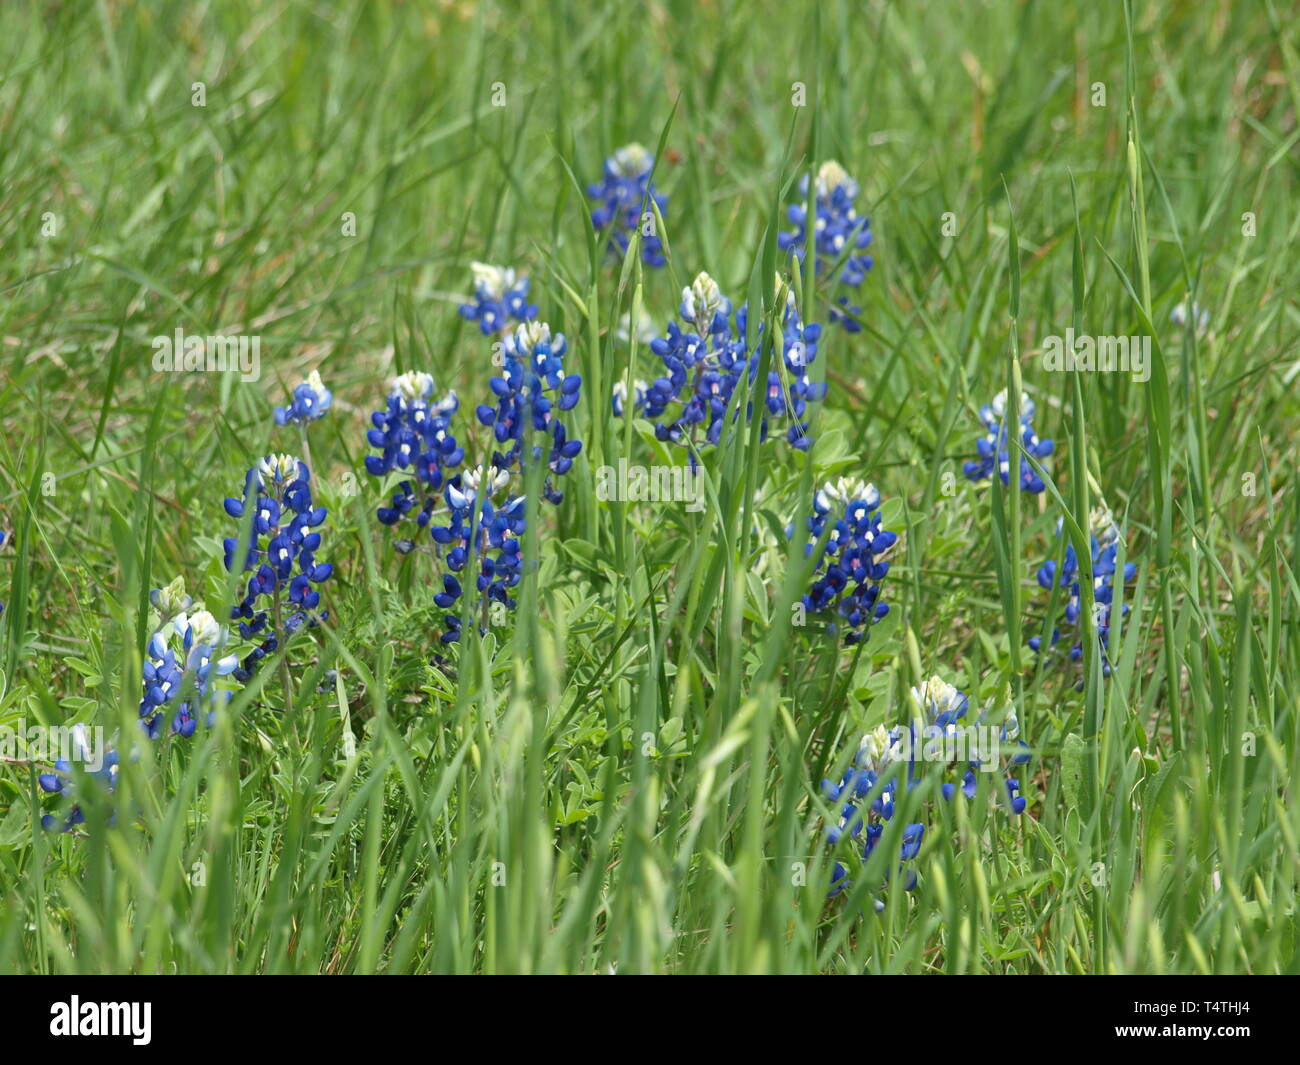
(413, 432)
(865, 799)
(624, 196)
(993, 448)
(842, 235)
(846, 581)
(309, 401)
(706, 359)
(281, 554)
(618, 400)
(532, 392)
(484, 528)
(62, 780)
(1105, 539)
(180, 668)
(500, 299)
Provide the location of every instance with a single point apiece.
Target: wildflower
(281, 553)
(485, 525)
(178, 672)
(413, 432)
(1199, 316)
(500, 299)
(706, 362)
(619, 397)
(61, 781)
(841, 236)
(171, 600)
(533, 390)
(994, 450)
(309, 401)
(846, 581)
(625, 195)
(1105, 542)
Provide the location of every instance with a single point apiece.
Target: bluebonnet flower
(500, 299)
(1199, 316)
(940, 733)
(171, 600)
(413, 432)
(624, 196)
(485, 525)
(619, 398)
(842, 235)
(309, 401)
(846, 581)
(706, 362)
(178, 674)
(863, 821)
(531, 393)
(1105, 538)
(993, 447)
(61, 781)
(281, 554)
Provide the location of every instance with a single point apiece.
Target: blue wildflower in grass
(413, 432)
(500, 299)
(994, 446)
(281, 555)
(484, 529)
(846, 582)
(1200, 317)
(624, 195)
(941, 732)
(618, 400)
(532, 392)
(179, 675)
(62, 780)
(309, 401)
(1105, 538)
(706, 359)
(863, 804)
(842, 235)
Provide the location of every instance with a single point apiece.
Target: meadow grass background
(627, 775)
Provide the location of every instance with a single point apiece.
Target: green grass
(627, 774)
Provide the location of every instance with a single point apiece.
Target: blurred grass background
(508, 814)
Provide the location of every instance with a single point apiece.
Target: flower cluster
(842, 235)
(60, 782)
(179, 673)
(485, 527)
(707, 359)
(867, 793)
(618, 400)
(865, 803)
(624, 196)
(993, 448)
(846, 581)
(531, 392)
(500, 299)
(309, 401)
(413, 432)
(1104, 534)
(281, 554)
